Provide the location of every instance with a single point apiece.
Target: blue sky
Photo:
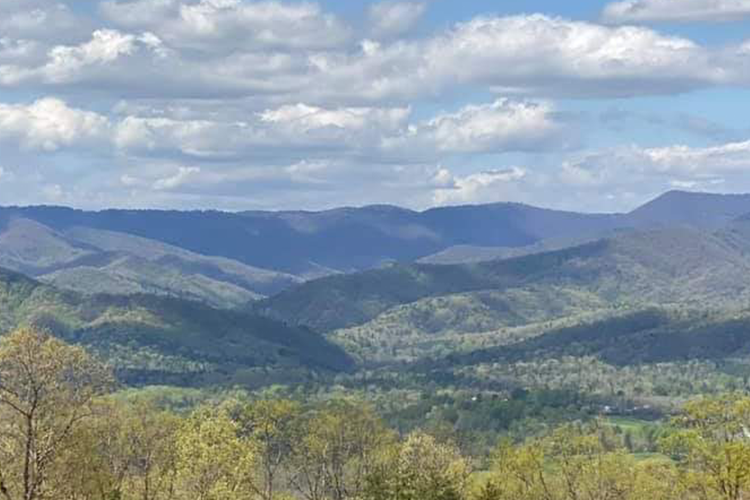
(244, 104)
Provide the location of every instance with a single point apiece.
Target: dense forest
(68, 432)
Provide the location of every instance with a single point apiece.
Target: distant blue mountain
(311, 244)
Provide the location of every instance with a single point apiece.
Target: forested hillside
(150, 339)
(670, 266)
(95, 261)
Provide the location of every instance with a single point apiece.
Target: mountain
(151, 339)
(310, 244)
(673, 209)
(699, 210)
(671, 266)
(464, 254)
(434, 327)
(646, 336)
(97, 261)
(228, 259)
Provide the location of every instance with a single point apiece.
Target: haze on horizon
(595, 106)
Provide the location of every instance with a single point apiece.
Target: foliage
(63, 438)
(150, 339)
(419, 468)
(46, 389)
(212, 461)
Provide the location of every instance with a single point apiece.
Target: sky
(594, 106)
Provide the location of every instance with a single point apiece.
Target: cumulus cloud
(626, 176)
(533, 55)
(302, 118)
(726, 158)
(380, 134)
(298, 128)
(105, 47)
(221, 25)
(49, 124)
(391, 18)
(504, 125)
(528, 55)
(183, 175)
(46, 20)
(634, 11)
(15, 52)
(541, 53)
(109, 56)
(485, 186)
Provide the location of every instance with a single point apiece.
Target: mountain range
(181, 297)
(265, 252)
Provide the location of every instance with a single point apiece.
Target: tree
(417, 469)
(519, 473)
(571, 463)
(213, 462)
(586, 468)
(150, 447)
(713, 446)
(46, 391)
(338, 451)
(271, 424)
(125, 451)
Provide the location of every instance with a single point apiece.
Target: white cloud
(227, 102)
(290, 129)
(731, 157)
(529, 55)
(643, 172)
(153, 135)
(14, 51)
(223, 25)
(105, 47)
(504, 125)
(379, 134)
(540, 53)
(481, 187)
(182, 176)
(533, 55)
(303, 118)
(391, 18)
(46, 20)
(634, 11)
(49, 124)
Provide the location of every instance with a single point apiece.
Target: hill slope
(95, 261)
(698, 210)
(679, 266)
(162, 339)
(647, 336)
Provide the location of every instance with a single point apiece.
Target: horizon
(375, 205)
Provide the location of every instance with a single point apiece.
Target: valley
(617, 325)
(643, 289)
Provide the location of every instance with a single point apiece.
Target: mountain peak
(697, 209)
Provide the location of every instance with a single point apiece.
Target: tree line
(66, 435)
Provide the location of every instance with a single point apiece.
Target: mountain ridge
(184, 342)
(228, 259)
(676, 265)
